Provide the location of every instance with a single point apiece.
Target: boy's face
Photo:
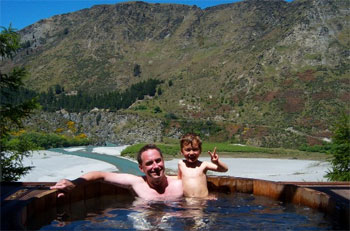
(191, 152)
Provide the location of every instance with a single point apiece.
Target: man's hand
(63, 185)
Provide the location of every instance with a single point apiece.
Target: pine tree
(11, 114)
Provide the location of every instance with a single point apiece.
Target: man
(154, 185)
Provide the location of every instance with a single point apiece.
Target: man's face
(191, 152)
(152, 164)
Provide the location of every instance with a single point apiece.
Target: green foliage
(39, 140)
(58, 89)
(225, 147)
(137, 70)
(325, 148)
(9, 42)
(167, 149)
(202, 128)
(12, 111)
(170, 116)
(140, 108)
(56, 99)
(173, 149)
(157, 109)
(341, 151)
(11, 159)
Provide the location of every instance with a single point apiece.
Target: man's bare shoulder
(174, 181)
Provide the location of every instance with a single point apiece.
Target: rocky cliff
(101, 126)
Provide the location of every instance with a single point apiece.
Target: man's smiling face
(152, 164)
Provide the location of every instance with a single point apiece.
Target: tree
(157, 109)
(11, 114)
(159, 91)
(137, 70)
(340, 160)
(58, 89)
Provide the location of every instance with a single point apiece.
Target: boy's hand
(214, 156)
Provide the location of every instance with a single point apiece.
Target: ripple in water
(238, 211)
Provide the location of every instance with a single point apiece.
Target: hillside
(254, 67)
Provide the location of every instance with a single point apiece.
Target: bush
(170, 116)
(167, 149)
(340, 160)
(316, 148)
(46, 141)
(173, 149)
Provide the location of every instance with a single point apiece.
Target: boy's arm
(179, 173)
(217, 165)
(116, 178)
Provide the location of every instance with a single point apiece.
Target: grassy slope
(172, 150)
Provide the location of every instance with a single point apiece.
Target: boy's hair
(145, 148)
(189, 138)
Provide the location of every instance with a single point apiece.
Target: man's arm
(122, 179)
(216, 165)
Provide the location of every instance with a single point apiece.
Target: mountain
(262, 65)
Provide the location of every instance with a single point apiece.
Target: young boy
(192, 171)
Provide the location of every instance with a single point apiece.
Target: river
(71, 162)
(106, 153)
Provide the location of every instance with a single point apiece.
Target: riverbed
(55, 164)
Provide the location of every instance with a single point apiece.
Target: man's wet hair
(191, 138)
(145, 148)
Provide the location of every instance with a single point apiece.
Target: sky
(22, 13)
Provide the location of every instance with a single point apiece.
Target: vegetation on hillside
(41, 141)
(56, 98)
(272, 75)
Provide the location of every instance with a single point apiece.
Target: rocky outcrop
(101, 126)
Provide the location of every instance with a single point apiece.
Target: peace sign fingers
(213, 155)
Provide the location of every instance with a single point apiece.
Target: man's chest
(146, 192)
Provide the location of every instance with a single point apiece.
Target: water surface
(237, 211)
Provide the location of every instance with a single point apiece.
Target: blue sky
(22, 13)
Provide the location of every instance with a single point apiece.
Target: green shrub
(48, 140)
(170, 116)
(340, 159)
(167, 149)
(316, 148)
(173, 149)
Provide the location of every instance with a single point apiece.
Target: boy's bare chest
(193, 172)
